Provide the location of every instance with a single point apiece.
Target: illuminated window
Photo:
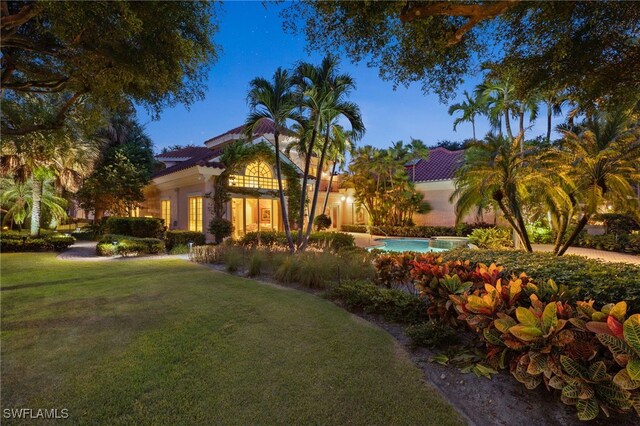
(134, 212)
(165, 212)
(195, 214)
(257, 175)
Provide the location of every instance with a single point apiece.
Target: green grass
(168, 342)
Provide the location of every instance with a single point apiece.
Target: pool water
(406, 244)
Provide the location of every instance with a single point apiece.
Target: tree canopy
(589, 49)
(107, 54)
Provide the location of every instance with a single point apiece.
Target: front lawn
(165, 341)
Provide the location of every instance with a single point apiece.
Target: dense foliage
(592, 356)
(461, 230)
(125, 245)
(124, 168)
(141, 227)
(329, 240)
(182, 238)
(437, 43)
(16, 242)
(382, 185)
(491, 238)
(155, 55)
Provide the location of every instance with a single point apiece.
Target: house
(180, 193)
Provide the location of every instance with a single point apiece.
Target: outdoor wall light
(115, 243)
(343, 198)
(349, 199)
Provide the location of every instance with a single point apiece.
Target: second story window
(257, 175)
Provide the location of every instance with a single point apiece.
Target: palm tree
(554, 103)
(65, 160)
(340, 144)
(602, 152)
(17, 197)
(496, 171)
(273, 100)
(499, 98)
(470, 107)
(322, 91)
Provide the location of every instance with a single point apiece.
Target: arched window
(258, 169)
(256, 175)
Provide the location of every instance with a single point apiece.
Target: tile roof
(441, 165)
(199, 156)
(264, 127)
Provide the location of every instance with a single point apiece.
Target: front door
(335, 214)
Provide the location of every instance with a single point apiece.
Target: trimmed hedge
(139, 227)
(127, 245)
(182, 238)
(16, 242)
(584, 278)
(333, 240)
(419, 231)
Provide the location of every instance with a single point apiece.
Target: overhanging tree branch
(475, 12)
(57, 123)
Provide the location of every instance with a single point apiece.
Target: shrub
(431, 334)
(621, 243)
(139, 227)
(583, 278)
(325, 240)
(619, 224)
(17, 242)
(127, 245)
(393, 305)
(287, 271)
(322, 222)
(220, 228)
(491, 238)
(174, 238)
(420, 231)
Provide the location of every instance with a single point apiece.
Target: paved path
(366, 240)
(86, 251)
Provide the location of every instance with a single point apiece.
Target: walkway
(86, 251)
(366, 240)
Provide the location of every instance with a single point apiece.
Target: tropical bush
(174, 238)
(18, 242)
(528, 327)
(491, 238)
(125, 245)
(139, 227)
(580, 278)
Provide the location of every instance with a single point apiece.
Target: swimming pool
(406, 244)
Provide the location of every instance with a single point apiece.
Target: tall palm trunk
(303, 192)
(549, 122)
(579, 227)
(316, 189)
(521, 132)
(562, 229)
(326, 198)
(36, 208)
(507, 123)
(283, 207)
(473, 127)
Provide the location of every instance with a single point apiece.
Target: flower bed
(590, 356)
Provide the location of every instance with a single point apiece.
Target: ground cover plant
(221, 347)
(587, 350)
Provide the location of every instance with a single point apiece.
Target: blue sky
(254, 44)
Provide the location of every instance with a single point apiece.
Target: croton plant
(590, 356)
